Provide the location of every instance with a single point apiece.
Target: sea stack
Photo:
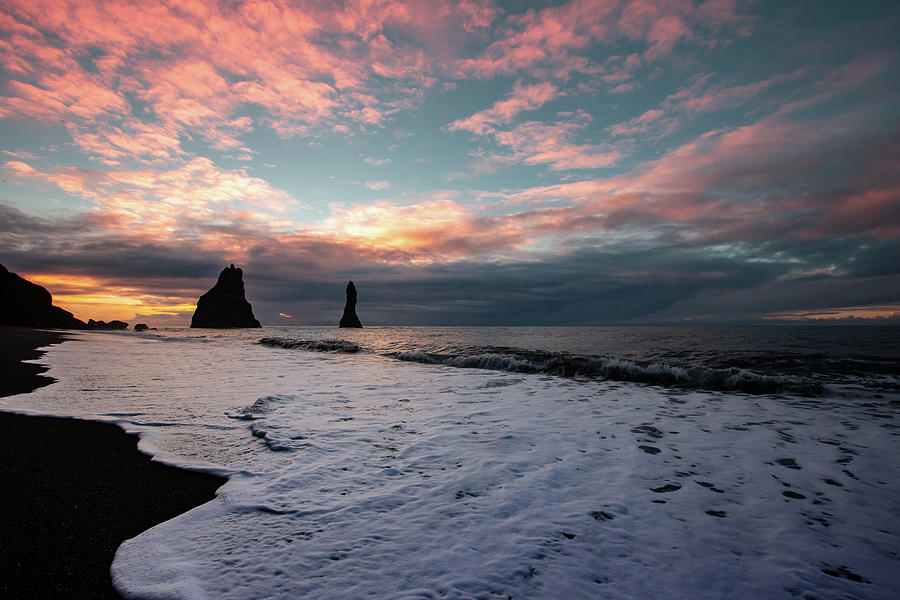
(26, 304)
(225, 305)
(350, 319)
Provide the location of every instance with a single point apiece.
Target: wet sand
(71, 491)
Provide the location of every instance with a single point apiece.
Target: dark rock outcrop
(113, 325)
(350, 319)
(225, 305)
(141, 327)
(26, 304)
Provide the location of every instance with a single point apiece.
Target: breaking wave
(339, 346)
(517, 360)
(656, 373)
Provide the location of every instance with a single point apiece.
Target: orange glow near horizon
(90, 298)
(834, 314)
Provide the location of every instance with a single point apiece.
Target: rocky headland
(27, 304)
(225, 305)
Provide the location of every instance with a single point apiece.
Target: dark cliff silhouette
(26, 304)
(225, 305)
(350, 319)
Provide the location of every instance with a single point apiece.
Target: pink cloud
(477, 15)
(719, 98)
(522, 98)
(309, 66)
(730, 186)
(622, 88)
(639, 124)
(555, 42)
(18, 167)
(619, 71)
(876, 210)
(665, 33)
(133, 139)
(733, 186)
(664, 24)
(171, 204)
(433, 230)
(71, 95)
(546, 37)
(536, 143)
(699, 97)
(20, 154)
(380, 185)
(314, 67)
(198, 65)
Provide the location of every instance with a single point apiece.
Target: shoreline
(74, 490)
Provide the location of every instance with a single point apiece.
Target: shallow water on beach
(390, 462)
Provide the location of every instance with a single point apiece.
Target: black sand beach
(71, 491)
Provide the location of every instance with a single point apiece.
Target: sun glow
(79, 296)
(891, 311)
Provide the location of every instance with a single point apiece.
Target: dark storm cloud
(586, 287)
(121, 259)
(597, 284)
(79, 245)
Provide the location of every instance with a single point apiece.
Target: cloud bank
(579, 162)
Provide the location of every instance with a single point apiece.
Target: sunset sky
(471, 162)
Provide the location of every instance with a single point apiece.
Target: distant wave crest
(656, 373)
(339, 346)
(517, 360)
(496, 362)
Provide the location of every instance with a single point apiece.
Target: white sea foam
(356, 475)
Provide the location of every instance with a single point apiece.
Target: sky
(476, 162)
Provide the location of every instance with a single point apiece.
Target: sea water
(506, 462)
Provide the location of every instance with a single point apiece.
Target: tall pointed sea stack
(225, 305)
(350, 319)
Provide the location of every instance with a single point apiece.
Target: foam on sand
(356, 474)
(458, 486)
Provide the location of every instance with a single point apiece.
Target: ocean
(425, 462)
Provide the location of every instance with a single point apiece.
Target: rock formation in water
(350, 319)
(225, 305)
(141, 327)
(111, 326)
(26, 304)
